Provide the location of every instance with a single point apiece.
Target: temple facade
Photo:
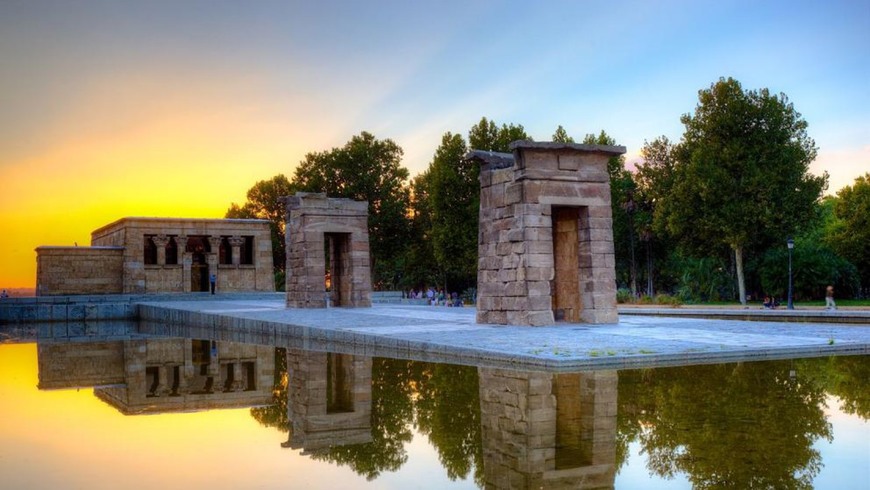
(161, 255)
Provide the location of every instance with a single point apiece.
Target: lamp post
(790, 244)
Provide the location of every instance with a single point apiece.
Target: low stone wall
(79, 270)
(110, 307)
(65, 309)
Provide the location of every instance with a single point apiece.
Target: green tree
(815, 266)
(623, 208)
(419, 265)
(653, 177)
(455, 201)
(450, 193)
(367, 169)
(850, 235)
(264, 203)
(561, 136)
(487, 136)
(741, 178)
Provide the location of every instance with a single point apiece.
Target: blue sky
(95, 95)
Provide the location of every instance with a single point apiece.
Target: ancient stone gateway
(545, 250)
(327, 244)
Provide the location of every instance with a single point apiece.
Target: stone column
(163, 381)
(161, 241)
(236, 242)
(214, 243)
(186, 261)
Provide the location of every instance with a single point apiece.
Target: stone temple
(161, 255)
(545, 251)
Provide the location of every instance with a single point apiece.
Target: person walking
(212, 280)
(829, 298)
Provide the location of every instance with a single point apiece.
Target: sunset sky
(118, 108)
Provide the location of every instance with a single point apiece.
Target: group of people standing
(436, 298)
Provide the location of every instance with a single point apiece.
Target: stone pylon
(327, 242)
(545, 249)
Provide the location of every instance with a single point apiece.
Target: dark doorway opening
(566, 261)
(337, 254)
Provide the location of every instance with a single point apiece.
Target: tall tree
(623, 208)
(487, 136)
(450, 193)
(366, 169)
(419, 260)
(851, 234)
(263, 203)
(741, 178)
(455, 201)
(654, 177)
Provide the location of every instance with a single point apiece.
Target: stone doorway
(199, 274)
(199, 248)
(338, 267)
(566, 282)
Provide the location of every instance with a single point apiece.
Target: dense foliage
(705, 218)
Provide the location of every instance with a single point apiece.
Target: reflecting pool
(152, 412)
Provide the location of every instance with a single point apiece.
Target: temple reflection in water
(502, 428)
(159, 375)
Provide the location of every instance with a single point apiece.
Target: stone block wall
(79, 270)
(323, 230)
(525, 271)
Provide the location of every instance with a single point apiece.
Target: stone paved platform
(451, 335)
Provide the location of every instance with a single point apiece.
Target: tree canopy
(850, 236)
(366, 169)
(741, 175)
(264, 203)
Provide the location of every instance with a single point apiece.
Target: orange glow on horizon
(60, 196)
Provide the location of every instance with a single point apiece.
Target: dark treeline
(702, 219)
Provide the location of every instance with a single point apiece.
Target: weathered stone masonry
(161, 255)
(327, 235)
(546, 242)
(545, 430)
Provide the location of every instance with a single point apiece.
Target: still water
(188, 413)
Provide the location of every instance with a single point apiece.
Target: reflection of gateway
(545, 430)
(159, 375)
(330, 400)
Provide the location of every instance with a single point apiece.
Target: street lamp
(790, 244)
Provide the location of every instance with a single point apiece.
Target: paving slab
(451, 335)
